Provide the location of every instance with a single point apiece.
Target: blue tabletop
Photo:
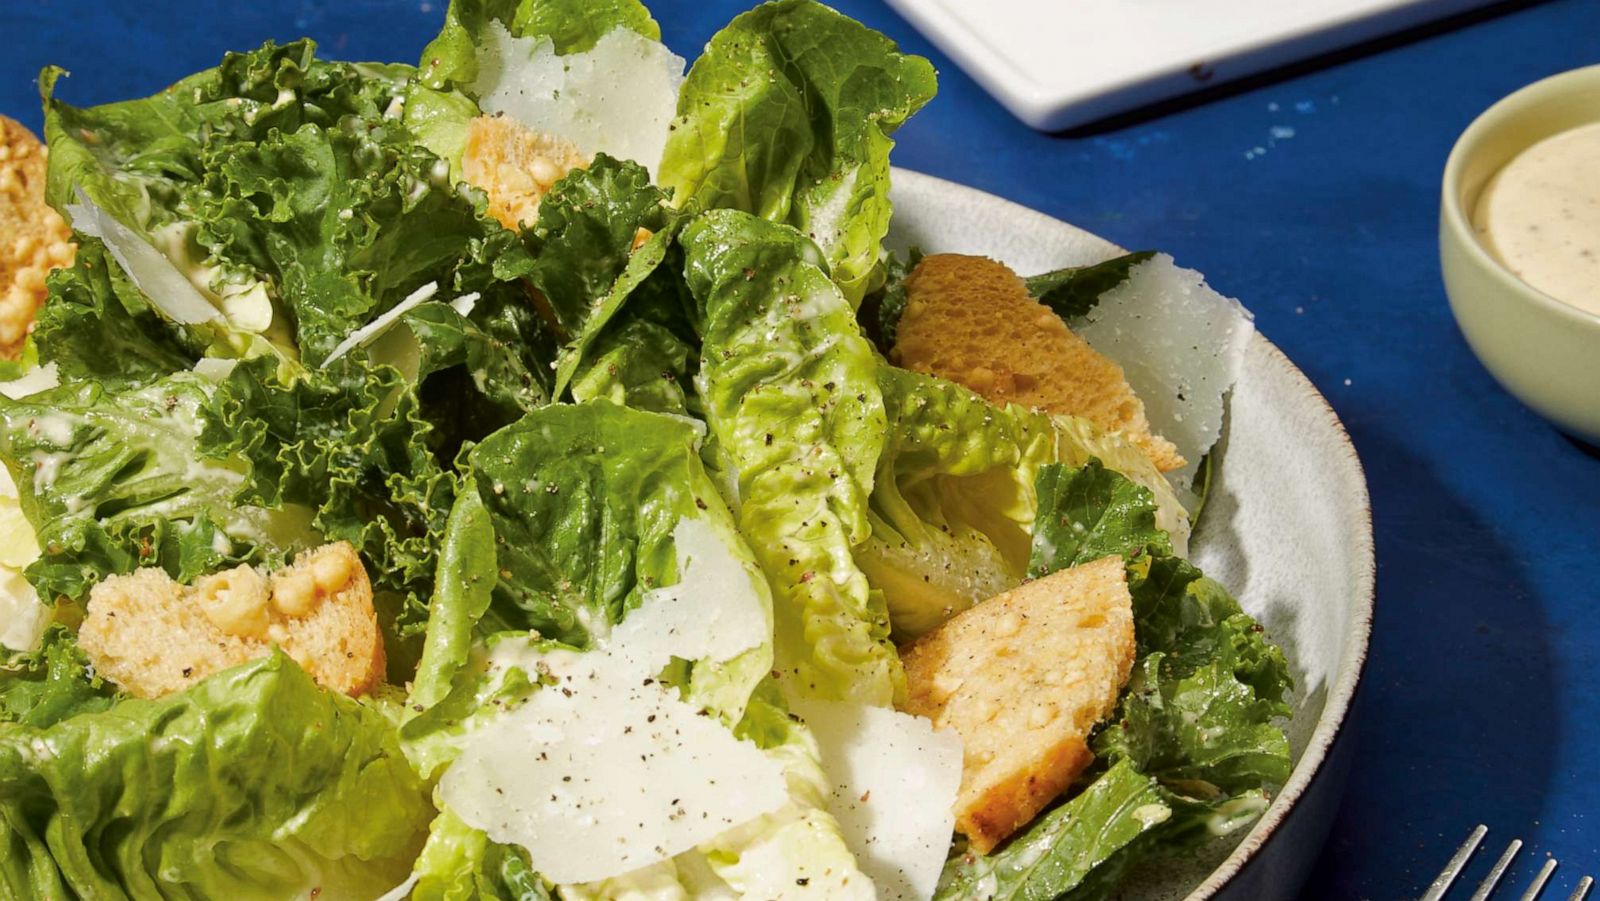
(1312, 195)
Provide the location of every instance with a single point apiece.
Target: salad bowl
(1288, 525)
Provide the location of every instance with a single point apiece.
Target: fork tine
(1582, 891)
(1539, 880)
(1447, 876)
(1486, 887)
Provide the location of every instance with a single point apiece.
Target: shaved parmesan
(154, 274)
(712, 613)
(39, 378)
(605, 770)
(1180, 344)
(382, 323)
(894, 783)
(617, 98)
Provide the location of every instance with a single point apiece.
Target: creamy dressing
(1540, 216)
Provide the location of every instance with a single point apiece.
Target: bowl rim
(1352, 663)
(1457, 224)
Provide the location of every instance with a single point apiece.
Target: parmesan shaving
(617, 98)
(39, 378)
(154, 274)
(894, 783)
(605, 770)
(382, 323)
(1180, 344)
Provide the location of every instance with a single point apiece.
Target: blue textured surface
(1312, 195)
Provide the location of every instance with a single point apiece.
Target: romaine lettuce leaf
(640, 364)
(952, 503)
(460, 863)
(573, 515)
(792, 399)
(787, 115)
(956, 497)
(253, 784)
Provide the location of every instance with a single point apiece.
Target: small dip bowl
(1543, 350)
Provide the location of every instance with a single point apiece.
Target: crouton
(34, 239)
(1022, 678)
(970, 320)
(152, 636)
(515, 166)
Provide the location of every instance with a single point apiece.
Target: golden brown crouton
(515, 166)
(153, 636)
(1022, 678)
(34, 239)
(970, 320)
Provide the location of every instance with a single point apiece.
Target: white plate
(1287, 528)
(1061, 63)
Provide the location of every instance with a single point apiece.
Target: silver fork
(1458, 862)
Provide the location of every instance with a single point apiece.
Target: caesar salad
(527, 474)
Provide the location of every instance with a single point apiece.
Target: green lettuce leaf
(570, 521)
(957, 495)
(1073, 844)
(112, 480)
(253, 784)
(1195, 743)
(787, 115)
(792, 399)
(573, 26)
(952, 503)
(349, 444)
(460, 863)
(583, 500)
(585, 236)
(1090, 513)
(1075, 290)
(55, 682)
(98, 326)
(640, 364)
(570, 517)
(287, 189)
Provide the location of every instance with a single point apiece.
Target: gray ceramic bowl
(1288, 528)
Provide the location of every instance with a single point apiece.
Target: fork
(1447, 877)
